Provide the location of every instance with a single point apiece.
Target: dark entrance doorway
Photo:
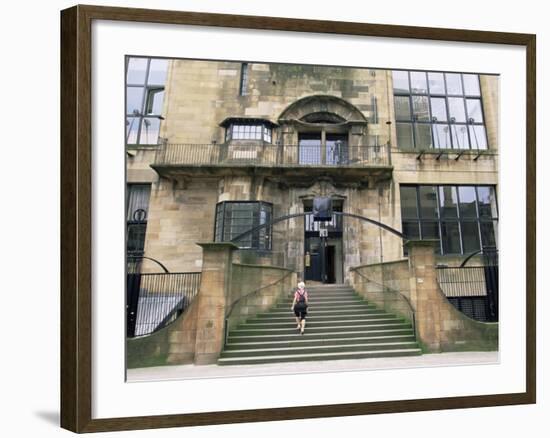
(323, 248)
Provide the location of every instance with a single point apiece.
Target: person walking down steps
(299, 306)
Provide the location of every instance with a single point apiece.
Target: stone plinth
(214, 289)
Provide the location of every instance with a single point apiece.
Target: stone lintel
(217, 246)
(424, 242)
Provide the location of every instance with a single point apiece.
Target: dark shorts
(300, 310)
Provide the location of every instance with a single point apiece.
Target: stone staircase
(340, 325)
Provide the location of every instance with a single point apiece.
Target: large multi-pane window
(236, 217)
(438, 110)
(248, 131)
(462, 218)
(137, 209)
(145, 78)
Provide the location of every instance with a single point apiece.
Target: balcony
(339, 161)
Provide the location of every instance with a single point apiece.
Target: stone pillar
(425, 296)
(212, 301)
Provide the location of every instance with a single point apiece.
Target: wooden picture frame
(76, 218)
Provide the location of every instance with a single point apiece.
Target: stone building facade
(217, 148)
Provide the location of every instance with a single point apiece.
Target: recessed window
(243, 87)
(234, 218)
(462, 218)
(137, 211)
(145, 78)
(438, 110)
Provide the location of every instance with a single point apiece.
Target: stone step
(314, 323)
(315, 316)
(321, 313)
(325, 298)
(364, 326)
(306, 341)
(319, 349)
(329, 304)
(311, 336)
(318, 357)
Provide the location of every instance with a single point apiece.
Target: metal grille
(473, 307)
(462, 282)
(156, 300)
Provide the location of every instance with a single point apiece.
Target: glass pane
(404, 135)
(310, 150)
(430, 230)
(402, 108)
(475, 114)
(478, 137)
(132, 129)
(157, 71)
(448, 202)
(137, 68)
(237, 135)
(400, 81)
(439, 109)
(460, 136)
(135, 238)
(456, 110)
(421, 110)
(436, 82)
(450, 238)
(134, 100)
(471, 85)
(154, 101)
(467, 204)
(454, 84)
(470, 236)
(428, 202)
(423, 133)
(138, 202)
(419, 83)
(149, 131)
(411, 230)
(487, 203)
(488, 233)
(336, 149)
(408, 202)
(441, 136)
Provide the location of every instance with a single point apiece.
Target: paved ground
(210, 371)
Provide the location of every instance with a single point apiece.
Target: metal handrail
(394, 291)
(255, 291)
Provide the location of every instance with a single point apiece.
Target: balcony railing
(271, 155)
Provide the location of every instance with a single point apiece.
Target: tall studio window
(145, 79)
(243, 86)
(243, 130)
(136, 217)
(462, 218)
(438, 110)
(235, 217)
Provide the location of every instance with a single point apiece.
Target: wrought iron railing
(266, 154)
(156, 300)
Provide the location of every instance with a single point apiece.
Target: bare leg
(298, 322)
(303, 326)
